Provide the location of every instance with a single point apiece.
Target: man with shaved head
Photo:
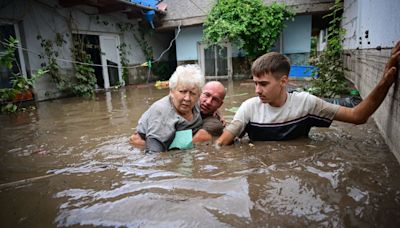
(211, 99)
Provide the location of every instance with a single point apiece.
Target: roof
(194, 12)
(132, 8)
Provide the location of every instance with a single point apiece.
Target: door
(18, 66)
(112, 72)
(216, 61)
(91, 45)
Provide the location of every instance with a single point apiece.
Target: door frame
(19, 47)
(103, 59)
(201, 57)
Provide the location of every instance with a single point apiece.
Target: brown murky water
(75, 168)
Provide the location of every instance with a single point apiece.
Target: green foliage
(331, 81)
(162, 70)
(144, 45)
(249, 24)
(19, 83)
(7, 57)
(50, 55)
(84, 72)
(125, 27)
(124, 60)
(140, 34)
(313, 51)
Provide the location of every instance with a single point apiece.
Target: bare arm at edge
(360, 113)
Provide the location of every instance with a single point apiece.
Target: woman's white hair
(187, 75)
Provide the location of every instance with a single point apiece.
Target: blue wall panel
(186, 43)
(297, 35)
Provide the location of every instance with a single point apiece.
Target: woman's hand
(136, 140)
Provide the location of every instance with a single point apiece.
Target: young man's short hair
(273, 63)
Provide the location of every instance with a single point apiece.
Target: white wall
(46, 18)
(186, 43)
(365, 64)
(380, 18)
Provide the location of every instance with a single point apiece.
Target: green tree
(250, 24)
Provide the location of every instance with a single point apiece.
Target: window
(216, 60)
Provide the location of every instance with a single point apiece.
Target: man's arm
(360, 113)
(202, 136)
(225, 139)
(212, 127)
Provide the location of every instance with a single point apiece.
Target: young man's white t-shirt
(263, 122)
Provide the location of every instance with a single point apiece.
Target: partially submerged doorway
(91, 45)
(103, 50)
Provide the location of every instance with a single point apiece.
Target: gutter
(141, 6)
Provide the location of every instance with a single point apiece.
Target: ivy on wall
(20, 84)
(49, 56)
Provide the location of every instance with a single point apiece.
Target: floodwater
(69, 163)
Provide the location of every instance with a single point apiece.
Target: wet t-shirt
(160, 122)
(263, 122)
(212, 125)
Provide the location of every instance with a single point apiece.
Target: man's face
(211, 98)
(184, 98)
(269, 89)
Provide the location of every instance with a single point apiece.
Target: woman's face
(184, 97)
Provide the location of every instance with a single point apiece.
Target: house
(119, 39)
(111, 31)
(186, 17)
(47, 29)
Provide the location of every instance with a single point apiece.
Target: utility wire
(93, 64)
(70, 61)
(170, 43)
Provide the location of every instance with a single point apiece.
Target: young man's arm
(360, 113)
(225, 139)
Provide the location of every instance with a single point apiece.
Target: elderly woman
(176, 112)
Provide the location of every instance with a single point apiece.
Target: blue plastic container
(301, 71)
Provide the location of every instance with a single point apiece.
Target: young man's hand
(391, 68)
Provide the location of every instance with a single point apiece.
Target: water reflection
(75, 167)
(170, 202)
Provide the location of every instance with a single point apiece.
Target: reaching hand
(391, 67)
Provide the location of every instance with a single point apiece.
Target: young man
(211, 99)
(278, 115)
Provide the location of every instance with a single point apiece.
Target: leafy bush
(250, 24)
(19, 83)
